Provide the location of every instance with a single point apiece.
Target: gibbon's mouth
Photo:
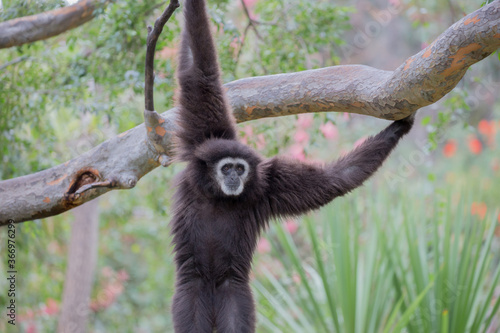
(233, 185)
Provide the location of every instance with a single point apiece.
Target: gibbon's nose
(233, 176)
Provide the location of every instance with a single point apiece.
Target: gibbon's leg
(234, 308)
(191, 308)
(296, 188)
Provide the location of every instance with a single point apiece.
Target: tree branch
(33, 28)
(152, 119)
(153, 34)
(251, 21)
(12, 62)
(422, 80)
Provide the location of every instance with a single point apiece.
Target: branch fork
(158, 132)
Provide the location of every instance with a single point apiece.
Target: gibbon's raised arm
(197, 28)
(296, 188)
(203, 110)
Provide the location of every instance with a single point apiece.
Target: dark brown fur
(215, 235)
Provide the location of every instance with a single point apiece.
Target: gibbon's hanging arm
(422, 80)
(159, 129)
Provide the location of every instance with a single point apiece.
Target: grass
(382, 264)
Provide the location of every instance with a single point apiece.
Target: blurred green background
(417, 249)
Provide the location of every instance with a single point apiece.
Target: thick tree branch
(33, 28)
(422, 80)
(121, 161)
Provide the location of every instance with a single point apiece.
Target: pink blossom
(31, 328)
(261, 141)
(107, 271)
(105, 298)
(250, 2)
(423, 45)
(301, 136)
(297, 152)
(51, 307)
(122, 275)
(345, 115)
(360, 141)
(329, 131)
(291, 226)
(263, 246)
(115, 288)
(248, 130)
(168, 53)
(475, 145)
(235, 43)
(305, 120)
(247, 133)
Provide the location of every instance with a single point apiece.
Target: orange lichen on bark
(358, 104)
(161, 120)
(69, 9)
(249, 110)
(149, 128)
(57, 181)
(470, 20)
(46, 200)
(125, 133)
(408, 63)
(457, 61)
(428, 52)
(160, 131)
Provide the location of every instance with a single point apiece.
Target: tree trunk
(82, 256)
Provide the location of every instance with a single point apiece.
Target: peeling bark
(120, 162)
(41, 26)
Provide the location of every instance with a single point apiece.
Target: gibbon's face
(232, 173)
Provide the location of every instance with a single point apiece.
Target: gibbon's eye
(225, 168)
(240, 169)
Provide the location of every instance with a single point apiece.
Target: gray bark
(41, 26)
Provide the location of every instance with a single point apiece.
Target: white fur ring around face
(221, 176)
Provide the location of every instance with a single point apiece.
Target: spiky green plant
(374, 264)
